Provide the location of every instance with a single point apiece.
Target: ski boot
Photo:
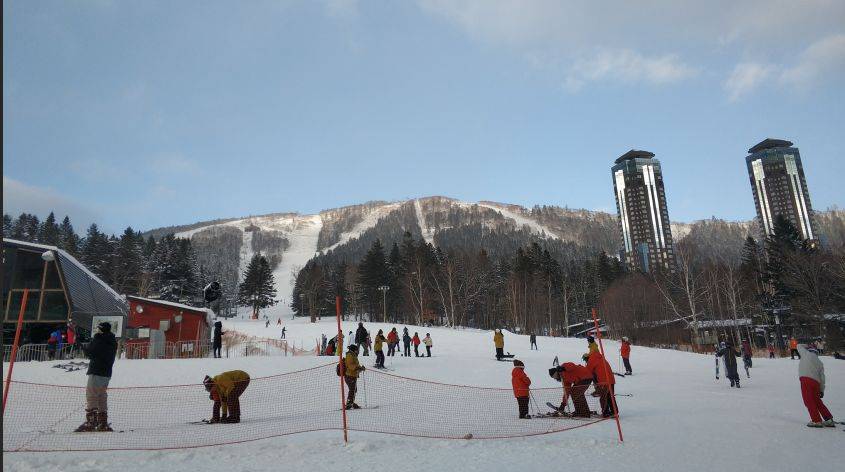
(829, 423)
(813, 424)
(103, 422)
(90, 419)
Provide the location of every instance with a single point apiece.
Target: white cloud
(823, 60)
(746, 77)
(19, 197)
(628, 66)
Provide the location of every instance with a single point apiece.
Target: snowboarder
(406, 342)
(416, 341)
(392, 342)
(225, 390)
(576, 379)
(217, 338)
(793, 348)
(811, 376)
(533, 340)
(499, 342)
(283, 332)
(625, 352)
(351, 370)
(378, 347)
(521, 384)
(604, 380)
(428, 344)
(101, 352)
(729, 355)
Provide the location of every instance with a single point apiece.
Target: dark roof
(634, 154)
(769, 143)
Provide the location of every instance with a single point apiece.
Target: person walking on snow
(101, 353)
(771, 351)
(406, 342)
(217, 339)
(729, 355)
(361, 337)
(416, 341)
(746, 353)
(604, 379)
(793, 348)
(428, 343)
(226, 390)
(392, 341)
(521, 384)
(283, 332)
(811, 376)
(378, 347)
(351, 370)
(576, 379)
(625, 352)
(499, 342)
(533, 340)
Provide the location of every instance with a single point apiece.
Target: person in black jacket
(101, 352)
(729, 354)
(217, 341)
(361, 338)
(406, 341)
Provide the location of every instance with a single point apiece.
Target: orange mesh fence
(43, 417)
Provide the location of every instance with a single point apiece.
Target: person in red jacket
(625, 351)
(603, 376)
(521, 384)
(576, 379)
(416, 342)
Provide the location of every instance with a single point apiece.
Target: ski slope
(679, 417)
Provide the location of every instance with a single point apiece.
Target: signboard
(143, 332)
(115, 321)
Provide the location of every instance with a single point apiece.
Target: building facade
(779, 186)
(647, 243)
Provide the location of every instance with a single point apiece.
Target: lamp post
(301, 305)
(384, 289)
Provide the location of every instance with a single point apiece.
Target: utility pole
(384, 289)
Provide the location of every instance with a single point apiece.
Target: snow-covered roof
(209, 314)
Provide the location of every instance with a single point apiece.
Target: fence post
(607, 375)
(14, 349)
(342, 373)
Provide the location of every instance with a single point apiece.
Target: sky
(158, 113)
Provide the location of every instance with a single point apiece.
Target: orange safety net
(43, 417)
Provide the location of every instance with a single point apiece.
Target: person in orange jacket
(604, 379)
(625, 351)
(416, 341)
(793, 348)
(521, 384)
(576, 379)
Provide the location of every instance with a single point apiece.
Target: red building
(185, 327)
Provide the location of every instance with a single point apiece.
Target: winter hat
(207, 382)
(591, 339)
(353, 348)
(518, 363)
(105, 327)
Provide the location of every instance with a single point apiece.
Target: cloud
(628, 66)
(19, 197)
(746, 77)
(823, 60)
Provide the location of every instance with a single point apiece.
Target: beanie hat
(353, 348)
(518, 363)
(207, 382)
(105, 327)
(591, 339)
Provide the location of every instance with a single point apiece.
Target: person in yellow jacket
(591, 345)
(351, 370)
(499, 342)
(225, 390)
(378, 346)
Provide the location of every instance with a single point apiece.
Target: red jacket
(600, 369)
(520, 382)
(71, 336)
(626, 350)
(416, 340)
(574, 373)
(392, 337)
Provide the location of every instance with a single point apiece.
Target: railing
(202, 349)
(42, 352)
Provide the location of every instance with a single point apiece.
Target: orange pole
(607, 375)
(342, 368)
(15, 348)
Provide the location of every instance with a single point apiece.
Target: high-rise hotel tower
(643, 217)
(779, 186)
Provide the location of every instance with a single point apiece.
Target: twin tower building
(777, 182)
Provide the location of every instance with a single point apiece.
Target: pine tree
(7, 225)
(126, 269)
(373, 273)
(258, 289)
(95, 252)
(48, 231)
(68, 240)
(783, 241)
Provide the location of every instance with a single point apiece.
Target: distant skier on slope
(351, 370)
(406, 342)
(746, 353)
(416, 341)
(625, 352)
(361, 337)
(576, 379)
(225, 390)
(499, 343)
(729, 355)
(793, 348)
(392, 342)
(428, 344)
(811, 376)
(521, 384)
(378, 347)
(604, 379)
(533, 340)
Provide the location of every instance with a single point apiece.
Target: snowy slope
(520, 220)
(678, 419)
(366, 223)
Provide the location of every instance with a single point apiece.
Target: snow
(679, 418)
(521, 221)
(427, 233)
(370, 220)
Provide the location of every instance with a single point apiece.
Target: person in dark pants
(225, 390)
(217, 339)
(625, 352)
(406, 342)
(361, 337)
(351, 370)
(576, 379)
(416, 341)
(793, 348)
(533, 339)
(428, 343)
(378, 346)
(521, 384)
(729, 354)
(499, 343)
(101, 352)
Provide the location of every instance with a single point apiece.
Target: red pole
(342, 367)
(607, 375)
(15, 348)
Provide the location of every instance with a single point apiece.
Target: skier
(267, 324)
(283, 332)
(225, 390)
(576, 379)
(378, 347)
(361, 337)
(625, 352)
(729, 355)
(591, 345)
(406, 341)
(771, 351)
(811, 376)
(279, 322)
(499, 342)
(428, 344)
(521, 384)
(101, 352)
(746, 353)
(604, 380)
(392, 342)
(217, 339)
(793, 348)
(351, 370)
(416, 341)
(533, 340)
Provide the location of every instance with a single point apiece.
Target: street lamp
(301, 306)
(384, 289)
